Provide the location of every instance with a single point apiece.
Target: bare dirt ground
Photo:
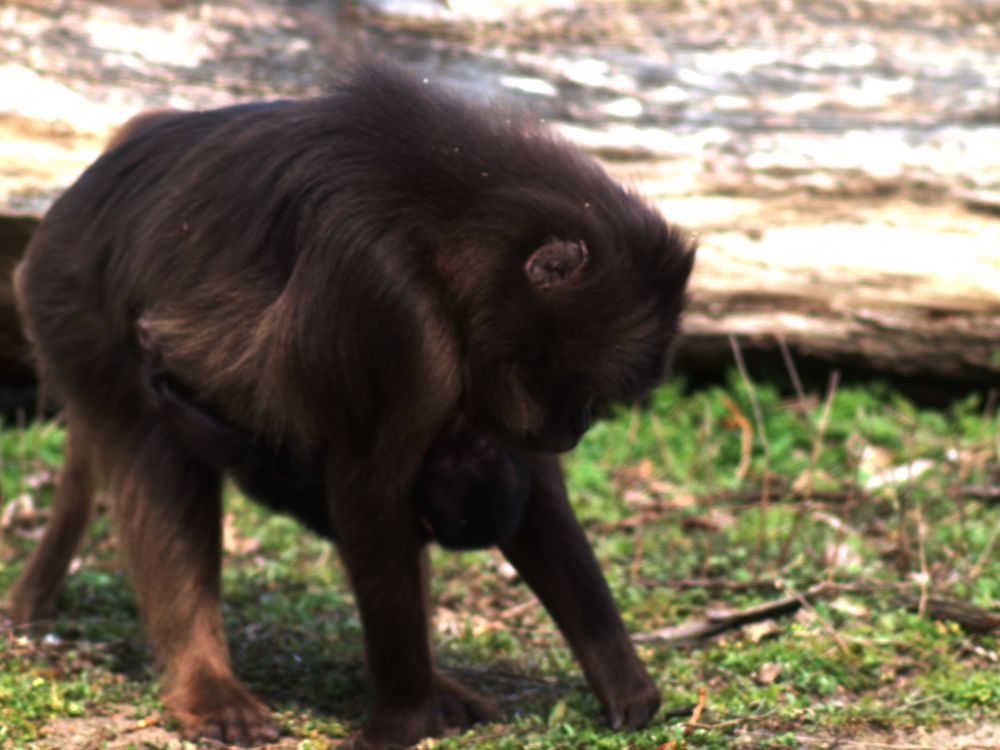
(119, 732)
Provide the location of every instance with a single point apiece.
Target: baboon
(346, 278)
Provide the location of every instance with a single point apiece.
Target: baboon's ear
(555, 264)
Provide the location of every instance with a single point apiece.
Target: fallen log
(857, 296)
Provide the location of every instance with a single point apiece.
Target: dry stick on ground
(960, 479)
(903, 558)
(719, 584)
(817, 446)
(704, 435)
(925, 576)
(640, 537)
(765, 498)
(801, 599)
(518, 609)
(972, 618)
(924, 579)
(699, 707)
(904, 531)
(718, 622)
(732, 722)
(793, 372)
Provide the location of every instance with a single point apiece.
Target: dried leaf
(755, 632)
(767, 673)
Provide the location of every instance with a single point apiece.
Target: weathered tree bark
(883, 311)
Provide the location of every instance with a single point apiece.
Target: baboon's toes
(225, 712)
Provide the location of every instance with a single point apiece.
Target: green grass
(694, 504)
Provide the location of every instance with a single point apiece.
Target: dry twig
(817, 446)
(718, 622)
(974, 619)
(805, 602)
(758, 416)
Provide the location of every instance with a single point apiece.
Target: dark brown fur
(469, 492)
(345, 277)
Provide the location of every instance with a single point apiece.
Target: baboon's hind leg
(33, 596)
(168, 514)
